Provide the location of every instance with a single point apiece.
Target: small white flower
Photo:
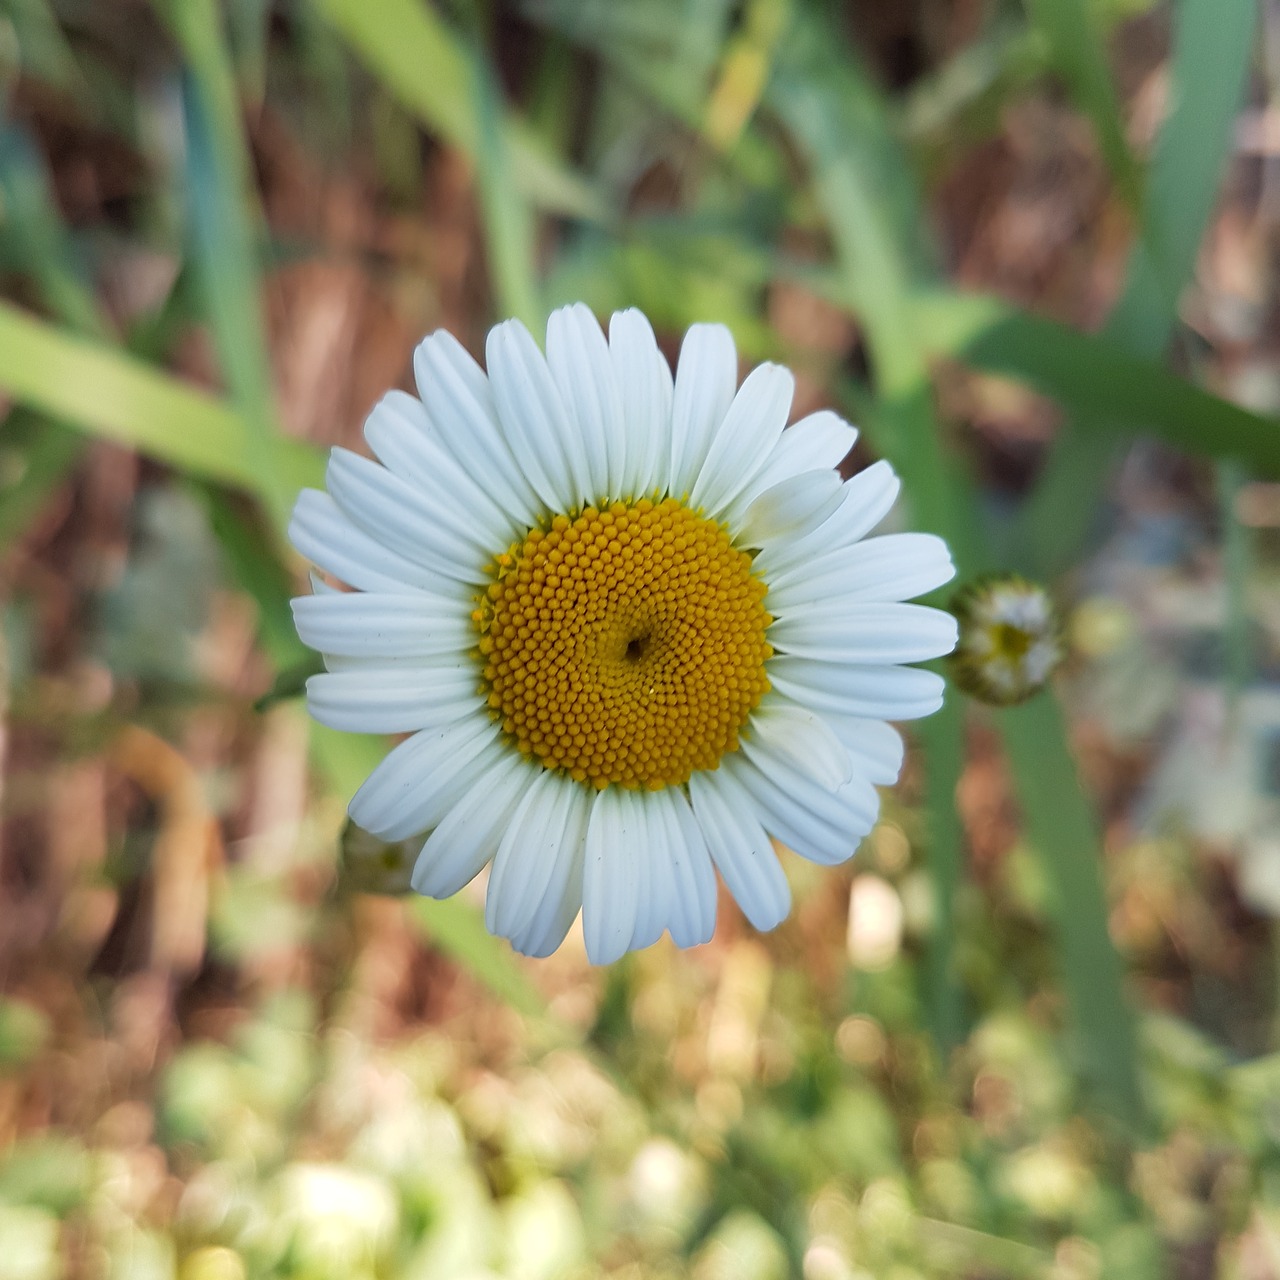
(633, 627)
(1010, 639)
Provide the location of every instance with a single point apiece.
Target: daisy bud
(1010, 639)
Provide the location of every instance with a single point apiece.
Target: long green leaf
(1212, 39)
(1107, 388)
(97, 388)
(224, 217)
(1066, 838)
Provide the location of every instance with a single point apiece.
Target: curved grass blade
(1109, 389)
(99, 389)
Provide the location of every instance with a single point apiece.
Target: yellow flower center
(626, 645)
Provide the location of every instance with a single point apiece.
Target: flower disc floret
(626, 645)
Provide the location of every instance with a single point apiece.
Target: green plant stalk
(507, 220)
(1062, 829)
(1236, 557)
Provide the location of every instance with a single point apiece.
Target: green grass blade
(457, 929)
(1077, 50)
(34, 240)
(943, 739)
(1212, 41)
(508, 220)
(100, 390)
(34, 236)
(1212, 44)
(1237, 658)
(224, 218)
(1106, 387)
(1065, 837)
(42, 46)
(424, 64)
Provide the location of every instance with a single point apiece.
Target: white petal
(447, 663)
(706, 379)
(654, 889)
(745, 438)
(559, 898)
(875, 747)
(400, 433)
(469, 834)
(740, 847)
(866, 633)
(790, 508)
(819, 824)
(818, 441)
(459, 401)
(529, 853)
(880, 693)
(390, 700)
(645, 386)
(610, 879)
(805, 738)
(420, 780)
(691, 908)
(370, 625)
(578, 357)
(534, 418)
(326, 536)
(867, 499)
(437, 535)
(895, 567)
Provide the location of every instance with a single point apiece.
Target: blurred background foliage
(1033, 1030)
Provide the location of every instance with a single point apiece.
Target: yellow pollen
(625, 646)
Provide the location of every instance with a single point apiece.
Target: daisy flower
(634, 629)
(1010, 639)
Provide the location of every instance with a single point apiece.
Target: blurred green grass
(727, 150)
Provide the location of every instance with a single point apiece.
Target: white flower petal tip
(630, 620)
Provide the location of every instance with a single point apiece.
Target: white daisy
(634, 629)
(1010, 639)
